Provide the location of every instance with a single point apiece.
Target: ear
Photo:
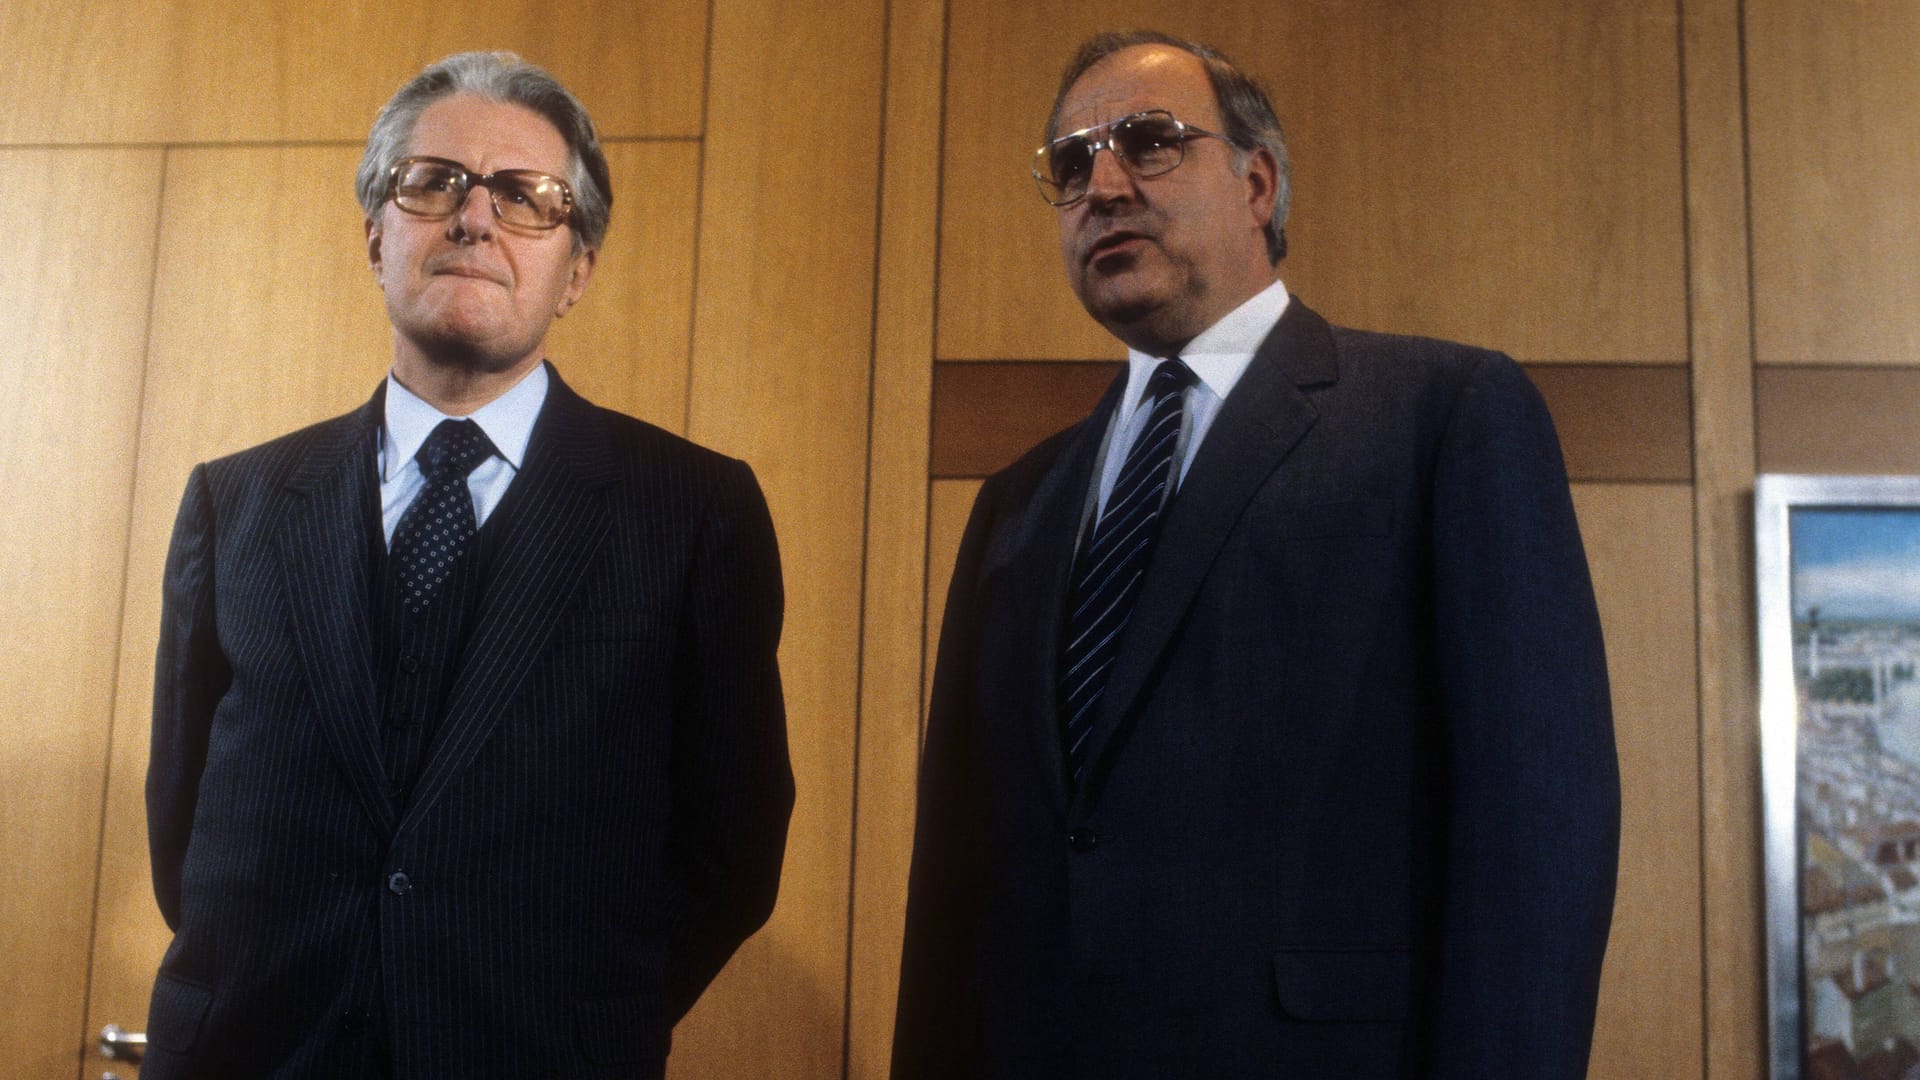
(577, 280)
(1263, 178)
(373, 246)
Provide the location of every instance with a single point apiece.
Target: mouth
(1118, 241)
(467, 270)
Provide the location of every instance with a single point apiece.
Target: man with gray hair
(469, 755)
(1270, 733)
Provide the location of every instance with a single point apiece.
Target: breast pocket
(1317, 568)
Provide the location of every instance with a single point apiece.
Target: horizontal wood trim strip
(1823, 419)
(1625, 423)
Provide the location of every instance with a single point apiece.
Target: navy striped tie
(1108, 570)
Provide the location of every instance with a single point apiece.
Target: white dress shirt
(1219, 356)
(507, 420)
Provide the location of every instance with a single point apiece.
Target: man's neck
(458, 388)
(1162, 337)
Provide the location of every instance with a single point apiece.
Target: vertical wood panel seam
(939, 236)
(699, 207)
(1746, 207)
(1700, 695)
(866, 536)
(1753, 430)
(1704, 538)
(120, 616)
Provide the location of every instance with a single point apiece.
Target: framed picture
(1838, 559)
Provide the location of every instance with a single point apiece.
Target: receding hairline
(1198, 67)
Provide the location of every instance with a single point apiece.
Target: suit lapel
(1257, 426)
(556, 530)
(1050, 530)
(322, 545)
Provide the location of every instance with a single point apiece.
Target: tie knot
(1171, 377)
(453, 449)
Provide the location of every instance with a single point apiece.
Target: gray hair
(1245, 112)
(505, 78)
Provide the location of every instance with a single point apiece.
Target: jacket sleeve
(732, 782)
(189, 678)
(1533, 801)
(936, 1020)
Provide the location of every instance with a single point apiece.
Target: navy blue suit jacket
(600, 819)
(1353, 804)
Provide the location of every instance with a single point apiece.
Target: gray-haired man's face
(468, 288)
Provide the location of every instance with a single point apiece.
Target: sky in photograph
(1857, 564)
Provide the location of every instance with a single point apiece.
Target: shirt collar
(507, 421)
(1219, 356)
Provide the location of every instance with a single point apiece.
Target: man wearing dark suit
(1270, 734)
(469, 757)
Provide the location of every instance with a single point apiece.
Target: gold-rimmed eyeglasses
(1146, 144)
(434, 187)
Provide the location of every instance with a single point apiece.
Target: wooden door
(74, 276)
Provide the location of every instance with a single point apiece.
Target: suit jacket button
(1083, 840)
(398, 883)
(409, 664)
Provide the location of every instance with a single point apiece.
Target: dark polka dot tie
(440, 523)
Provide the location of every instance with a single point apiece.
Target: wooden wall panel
(1504, 173)
(626, 345)
(782, 347)
(75, 271)
(144, 71)
(1835, 149)
(896, 535)
(1639, 541)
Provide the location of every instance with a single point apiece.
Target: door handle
(119, 1045)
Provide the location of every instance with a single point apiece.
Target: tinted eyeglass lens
(1150, 144)
(532, 199)
(1069, 163)
(429, 188)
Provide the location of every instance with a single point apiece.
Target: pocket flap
(1343, 984)
(176, 1012)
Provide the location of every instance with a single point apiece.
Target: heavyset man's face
(469, 287)
(1171, 254)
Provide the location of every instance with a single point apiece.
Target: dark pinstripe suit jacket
(1352, 808)
(601, 817)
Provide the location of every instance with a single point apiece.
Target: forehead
(488, 135)
(1136, 79)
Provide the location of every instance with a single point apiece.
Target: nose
(1109, 181)
(474, 219)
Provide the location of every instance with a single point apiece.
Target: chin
(467, 353)
(1129, 309)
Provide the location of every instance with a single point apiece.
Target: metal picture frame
(1837, 560)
